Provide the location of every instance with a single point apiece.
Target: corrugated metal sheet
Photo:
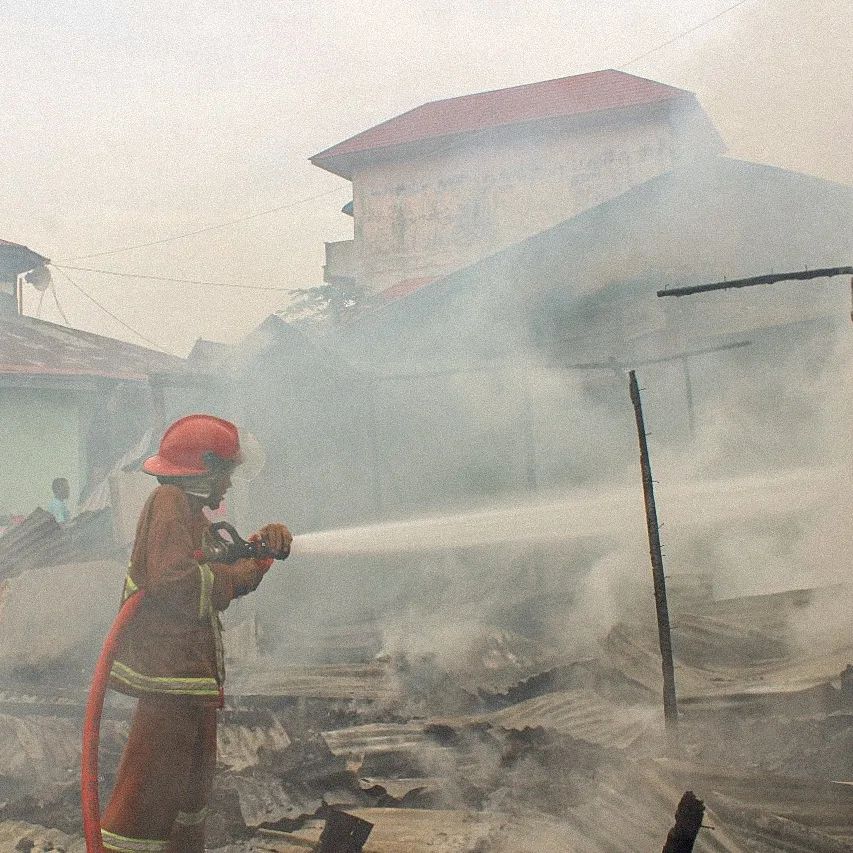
(579, 714)
(634, 808)
(633, 813)
(39, 541)
(48, 748)
(582, 715)
(373, 738)
(629, 810)
(263, 799)
(439, 830)
(239, 745)
(335, 681)
(634, 653)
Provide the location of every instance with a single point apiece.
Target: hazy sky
(125, 122)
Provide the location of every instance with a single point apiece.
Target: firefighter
(170, 656)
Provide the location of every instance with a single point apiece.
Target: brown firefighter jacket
(173, 644)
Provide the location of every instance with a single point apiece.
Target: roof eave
(344, 164)
(17, 259)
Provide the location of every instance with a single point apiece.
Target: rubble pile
(518, 749)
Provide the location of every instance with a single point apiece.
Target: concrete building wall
(439, 209)
(41, 432)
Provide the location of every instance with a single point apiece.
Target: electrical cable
(208, 228)
(109, 313)
(467, 138)
(169, 279)
(438, 150)
(56, 300)
(681, 35)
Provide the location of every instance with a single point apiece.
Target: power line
(469, 138)
(207, 228)
(169, 279)
(681, 35)
(107, 311)
(56, 300)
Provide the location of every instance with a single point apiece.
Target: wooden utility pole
(670, 708)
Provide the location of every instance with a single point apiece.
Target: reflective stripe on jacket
(173, 646)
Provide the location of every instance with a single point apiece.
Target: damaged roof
(31, 347)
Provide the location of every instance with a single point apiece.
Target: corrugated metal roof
(46, 748)
(567, 96)
(629, 810)
(30, 347)
(263, 799)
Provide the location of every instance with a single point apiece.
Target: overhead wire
(56, 300)
(171, 279)
(207, 228)
(438, 150)
(681, 35)
(468, 138)
(108, 312)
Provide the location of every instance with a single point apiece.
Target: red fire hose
(92, 727)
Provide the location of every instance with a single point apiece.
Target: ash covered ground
(482, 736)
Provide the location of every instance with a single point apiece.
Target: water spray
(575, 516)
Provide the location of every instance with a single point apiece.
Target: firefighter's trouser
(159, 801)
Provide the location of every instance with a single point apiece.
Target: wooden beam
(805, 275)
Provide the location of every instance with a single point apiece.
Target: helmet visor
(252, 457)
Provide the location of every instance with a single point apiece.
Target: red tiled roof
(33, 347)
(567, 96)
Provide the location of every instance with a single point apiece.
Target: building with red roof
(452, 181)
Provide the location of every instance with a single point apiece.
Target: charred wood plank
(688, 819)
(804, 275)
(343, 833)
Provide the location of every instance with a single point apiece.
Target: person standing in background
(58, 507)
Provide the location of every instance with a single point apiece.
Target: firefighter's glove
(261, 563)
(277, 538)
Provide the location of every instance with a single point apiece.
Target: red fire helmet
(187, 445)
